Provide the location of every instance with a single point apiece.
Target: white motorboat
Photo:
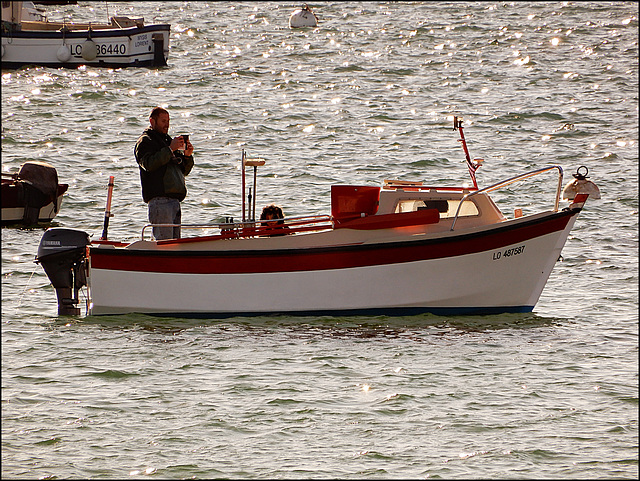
(28, 38)
(399, 248)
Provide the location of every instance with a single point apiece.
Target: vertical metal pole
(243, 182)
(252, 205)
(255, 194)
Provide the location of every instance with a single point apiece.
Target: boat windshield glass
(446, 208)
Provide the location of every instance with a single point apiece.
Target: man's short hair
(155, 113)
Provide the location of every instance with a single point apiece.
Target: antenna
(473, 166)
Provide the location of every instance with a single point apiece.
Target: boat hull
(501, 268)
(119, 47)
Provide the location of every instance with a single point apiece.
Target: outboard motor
(62, 253)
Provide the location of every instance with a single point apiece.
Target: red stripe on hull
(322, 258)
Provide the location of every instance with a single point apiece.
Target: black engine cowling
(39, 187)
(62, 253)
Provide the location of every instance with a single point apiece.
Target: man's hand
(188, 148)
(177, 143)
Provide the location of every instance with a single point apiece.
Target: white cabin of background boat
(12, 12)
(20, 13)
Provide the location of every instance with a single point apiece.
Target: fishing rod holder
(255, 163)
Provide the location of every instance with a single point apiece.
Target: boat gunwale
(443, 237)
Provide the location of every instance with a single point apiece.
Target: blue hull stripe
(393, 311)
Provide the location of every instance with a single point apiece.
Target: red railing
(235, 230)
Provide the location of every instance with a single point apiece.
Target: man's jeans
(165, 210)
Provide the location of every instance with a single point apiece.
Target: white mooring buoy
(303, 17)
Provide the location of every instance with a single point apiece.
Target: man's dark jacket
(162, 172)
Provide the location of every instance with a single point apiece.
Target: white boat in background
(401, 248)
(28, 38)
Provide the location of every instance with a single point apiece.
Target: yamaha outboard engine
(62, 253)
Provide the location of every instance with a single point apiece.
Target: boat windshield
(446, 207)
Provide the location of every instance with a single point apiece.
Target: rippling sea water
(367, 95)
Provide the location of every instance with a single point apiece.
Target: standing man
(164, 162)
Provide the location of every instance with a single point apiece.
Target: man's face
(161, 124)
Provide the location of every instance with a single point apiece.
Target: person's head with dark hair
(159, 120)
(273, 220)
(271, 211)
(157, 111)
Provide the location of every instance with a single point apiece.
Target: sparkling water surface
(367, 96)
